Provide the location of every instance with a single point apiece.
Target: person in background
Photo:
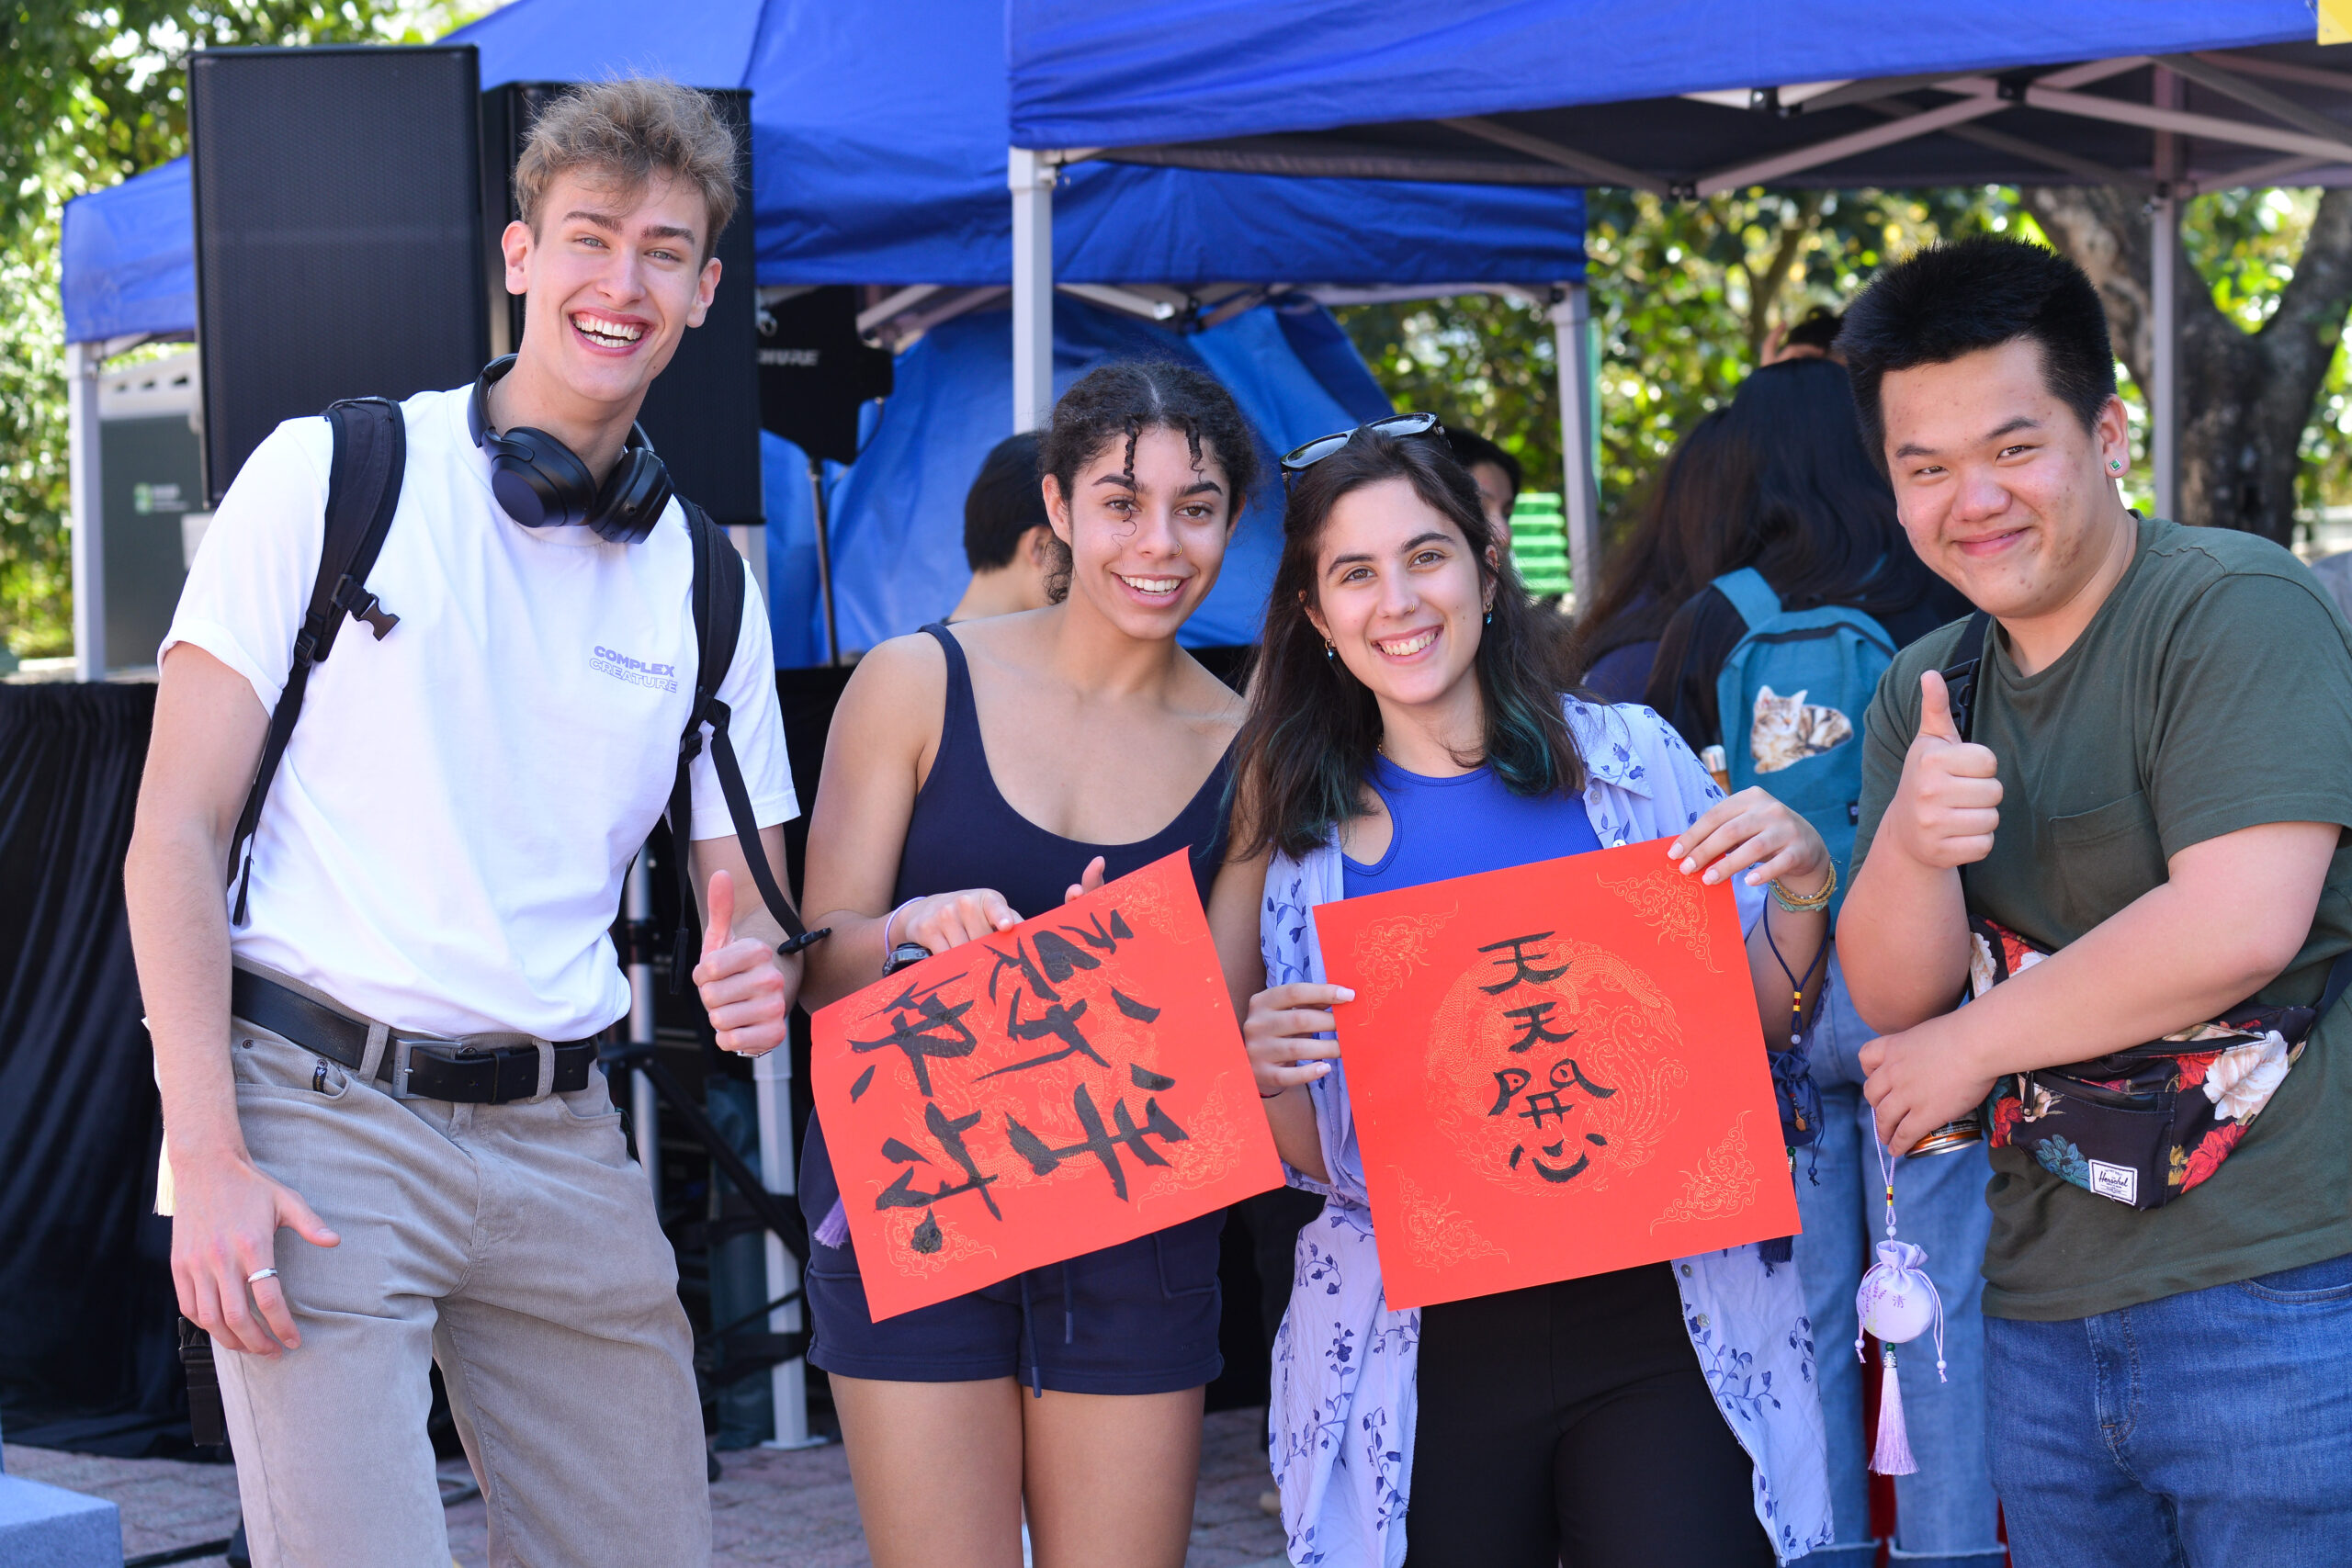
(1683, 519)
(1008, 539)
(1819, 527)
(1815, 337)
(2152, 793)
(1405, 725)
(1498, 475)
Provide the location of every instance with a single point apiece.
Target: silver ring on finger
(258, 1275)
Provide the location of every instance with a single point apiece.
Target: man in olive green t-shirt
(2155, 786)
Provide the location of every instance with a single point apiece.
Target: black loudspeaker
(816, 373)
(703, 412)
(338, 223)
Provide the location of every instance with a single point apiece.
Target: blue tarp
(898, 515)
(1087, 75)
(129, 258)
(879, 138)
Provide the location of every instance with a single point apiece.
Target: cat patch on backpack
(1786, 730)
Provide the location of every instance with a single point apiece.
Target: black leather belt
(436, 1068)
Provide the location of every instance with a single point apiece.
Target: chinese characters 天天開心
(1545, 1105)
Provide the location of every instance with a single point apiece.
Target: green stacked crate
(1539, 543)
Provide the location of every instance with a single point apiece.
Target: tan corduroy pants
(516, 1245)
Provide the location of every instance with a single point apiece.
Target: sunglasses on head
(1395, 426)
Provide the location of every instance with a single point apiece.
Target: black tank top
(963, 833)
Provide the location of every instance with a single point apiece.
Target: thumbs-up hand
(744, 985)
(1947, 808)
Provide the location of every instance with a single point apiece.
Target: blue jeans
(1945, 1514)
(2210, 1428)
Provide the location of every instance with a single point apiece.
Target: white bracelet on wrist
(889, 920)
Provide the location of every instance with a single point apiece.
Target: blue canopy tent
(878, 138)
(1694, 97)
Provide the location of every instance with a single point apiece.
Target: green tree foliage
(1685, 295)
(89, 95)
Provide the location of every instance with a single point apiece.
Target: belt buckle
(404, 1047)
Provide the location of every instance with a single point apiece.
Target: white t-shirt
(444, 846)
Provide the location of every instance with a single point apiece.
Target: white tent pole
(1580, 493)
(2163, 311)
(771, 1079)
(1031, 176)
(81, 361)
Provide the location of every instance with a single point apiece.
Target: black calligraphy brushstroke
(1057, 1021)
(1516, 1151)
(1508, 1081)
(1521, 963)
(1596, 1139)
(1135, 1009)
(943, 1033)
(1098, 936)
(1119, 927)
(1143, 1076)
(1575, 1075)
(1535, 1016)
(896, 1151)
(927, 1238)
(1019, 959)
(865, 1081)
(1103, 1143)
(1542, 1103)
(904, 1194)
(1060, 957)
(1554, 1176)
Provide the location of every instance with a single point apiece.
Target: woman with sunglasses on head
(974, 776)
(1405, 727)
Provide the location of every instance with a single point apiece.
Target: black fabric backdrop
(86, 1358)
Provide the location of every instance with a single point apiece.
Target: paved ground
(789, 1510)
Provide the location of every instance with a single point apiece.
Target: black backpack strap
(363, 492)
(717, 595)
(2339, 976)
(1960, 675)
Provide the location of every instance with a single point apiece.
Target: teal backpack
(1793, 694)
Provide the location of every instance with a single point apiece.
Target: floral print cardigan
(1341, 1415)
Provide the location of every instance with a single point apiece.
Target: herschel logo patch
(2119, 1182)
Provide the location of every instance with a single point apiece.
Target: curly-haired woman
(975, 775)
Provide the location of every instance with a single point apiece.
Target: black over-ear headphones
(541, 482)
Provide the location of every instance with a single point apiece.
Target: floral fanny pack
(2144, 1124)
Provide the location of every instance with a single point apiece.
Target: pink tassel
(1892, 1455)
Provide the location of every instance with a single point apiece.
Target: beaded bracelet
(1808, 904)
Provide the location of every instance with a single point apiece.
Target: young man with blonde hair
(381, 1040)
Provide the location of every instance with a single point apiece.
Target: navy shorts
(1141, 1317)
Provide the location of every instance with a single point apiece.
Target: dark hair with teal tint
(1314, 729)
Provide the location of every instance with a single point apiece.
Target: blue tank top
(1461, 826)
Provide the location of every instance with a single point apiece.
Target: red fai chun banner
(1070, 1084)
(1556, 1071)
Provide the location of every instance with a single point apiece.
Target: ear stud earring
(2116, 464)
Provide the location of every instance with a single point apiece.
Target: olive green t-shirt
(2212, 692)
